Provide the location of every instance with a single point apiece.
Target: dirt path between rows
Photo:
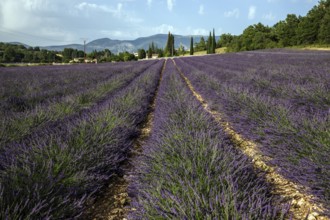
(114, 202)
(302, 204)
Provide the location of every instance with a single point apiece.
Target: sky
(60, 22)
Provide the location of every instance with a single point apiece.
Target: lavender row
(297, 141)
(24, 88)
(58, 126)
(16, 126)
(190, 170)
(304, 89)
(54, 174)
(31, 80)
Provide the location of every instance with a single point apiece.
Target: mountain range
(116, 46)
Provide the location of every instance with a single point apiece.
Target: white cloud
(120, 34)
(84, 6)
(163, 29)
(232, 13)
(29, 14)
(170, 4)
(35, 22)
(200, 31)
(201, 10)
(269, 16)
(116, 12)
(149, 2)
(38, 5)
(310, 1)
(252, 12)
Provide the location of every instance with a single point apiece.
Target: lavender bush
(33, 85)
(52, 173)
(189, 169)
(17, 125)
(279, 99)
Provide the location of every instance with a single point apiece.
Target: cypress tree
(209, 44)
(172, 44)
(201, 44)
(153, 47)
(191, 46)
(150, 52)
(324, 32)
(213, 42)
(169, 49)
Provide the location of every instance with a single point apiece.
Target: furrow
(113, 203)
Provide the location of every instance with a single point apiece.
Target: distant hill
(18, 43)
(61, 47)
(117, 46)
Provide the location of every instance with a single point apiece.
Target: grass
(313, 47)
(204, 52)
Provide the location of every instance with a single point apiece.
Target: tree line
(12, 53)
(208, 45)
(312, 29)
(168, 51)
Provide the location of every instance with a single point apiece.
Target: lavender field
(66, 131)
(280, 99)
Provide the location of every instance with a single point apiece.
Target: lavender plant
(54, 172)
(279, 99)
(16, 126)
(35, 85)
(189, 170)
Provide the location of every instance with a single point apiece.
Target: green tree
(172, 45)
(149, 52)
(28, 56)
(225, 40)
(191, 46)
(213, 42)
(309, 26)
(9, 54)
(286, 31)
(43, 55)
(169, 49)
(74, 53)
(36, 58)
(168, 43)
(153, 48)
(160, 52)
(141, 54)
(255, 37)
(324, 32)
(201, 45)
(67, 54)
(51, 55)
(81, 53)
(209, 44)
(181, 50)
(128, 56)
(310, 29)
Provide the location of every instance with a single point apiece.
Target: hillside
(117, 46)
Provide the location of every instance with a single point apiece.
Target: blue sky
(55, 22)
